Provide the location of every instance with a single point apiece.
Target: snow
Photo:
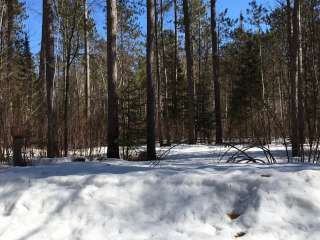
(187, 196)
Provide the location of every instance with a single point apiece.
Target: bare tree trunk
(68, 40)
(87, 85)
(189, 56)
(66, 104)
(13, 90)
(87, 62)
(10, 49)
(261, 70)
(165, 77)
(158, 76)
(198, 100)
(215, 68)
(113, 118)
(9, 59)
(151, 103)
(292, 54)
(175, 67)
(50, 70)
(300, 86)
(42, 77)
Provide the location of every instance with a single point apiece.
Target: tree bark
(175, 67)
(158, 76)
(17, 151)
(87, 62)
(292, 55)
(165, 77)
(189, 57)
(50, 70)
(151, 133)
(215, 75)
(301, 120)
(66, 104)
(87, 85)
(13, 91)
(41, 85)
(113, 118)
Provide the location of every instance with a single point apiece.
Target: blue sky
(34, 11)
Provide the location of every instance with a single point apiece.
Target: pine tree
(189, 59)
(151, 103)
(50, 69)
(216, 81)
(113, 118)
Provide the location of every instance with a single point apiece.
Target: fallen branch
(241, 155)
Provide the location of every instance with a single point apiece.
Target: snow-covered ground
(189, 196)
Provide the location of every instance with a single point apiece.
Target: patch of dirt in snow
(233, 215)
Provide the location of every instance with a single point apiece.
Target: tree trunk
(50, 70)
(10, 46)
(158, 77)
(41, 81)
(165, 77)
(113, 118)
(300, 86)
(175, 67)
(189, 56)
(215, 68)
(292, 55)
(17, 153)
(87, 62)
(151, 105)
(87, 85)
(66, 105)
(14, 91)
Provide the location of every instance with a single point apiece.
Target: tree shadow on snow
(74, 195)
(73, 169)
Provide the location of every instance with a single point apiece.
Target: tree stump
(17, 160)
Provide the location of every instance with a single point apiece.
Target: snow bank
(188, 197)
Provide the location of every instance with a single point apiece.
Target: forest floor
(187, 196)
